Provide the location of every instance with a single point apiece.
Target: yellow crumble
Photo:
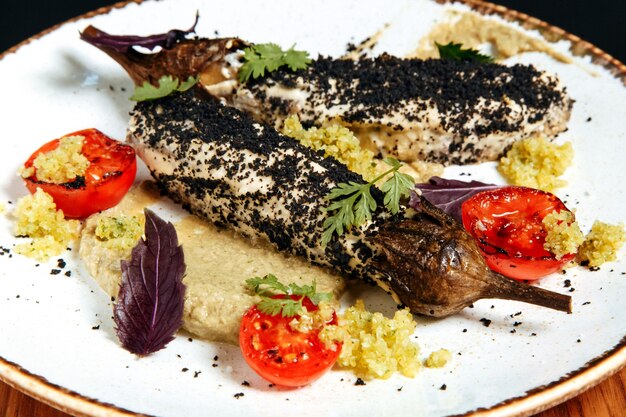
(373, 345)
(537, 163)
(422, 171)
(119, 232)
(38, 218)
(337, 141)
(563, 233)
(60, 165)
(602, 244)
(310, 320)
(438, 358)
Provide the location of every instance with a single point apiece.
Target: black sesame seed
(380, 86)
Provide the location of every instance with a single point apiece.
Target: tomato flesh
(110, 174)
(507, 223)
(281, 354)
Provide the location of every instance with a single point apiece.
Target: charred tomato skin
(282, 355)
(111, 172)
(507, 223)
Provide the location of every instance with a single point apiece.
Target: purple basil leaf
(449, 195)
(122, 43)
(149, 307)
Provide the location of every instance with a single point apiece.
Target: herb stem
(352, 204)
(383, 175)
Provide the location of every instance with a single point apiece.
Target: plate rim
(536, 400)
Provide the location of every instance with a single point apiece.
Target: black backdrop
(601, 22)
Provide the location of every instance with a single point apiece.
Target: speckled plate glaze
(58, 342)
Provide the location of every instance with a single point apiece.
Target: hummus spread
(218, 263)
(473, 30)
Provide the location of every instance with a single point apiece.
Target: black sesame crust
(472, 102)
(223, 166)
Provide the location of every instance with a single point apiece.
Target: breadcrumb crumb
(60, 165)
(119, 232)
(422, 171)
(38, 218)
(336, 141)
(438, 358)
(602, 244)
(563, 233)
(306, 320)
(537, 163)
(375, 346)
(340, 142)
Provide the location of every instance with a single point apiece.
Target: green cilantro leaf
(167, 85)
(274, 307)
(186, 85)
(364, 207)
(296, 60)
(268, 286)
(456, 52)
(318, 297)
(352, 204)
(269, 281)
(289, 307)
(269, 57)
(396, 187)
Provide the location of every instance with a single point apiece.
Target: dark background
(601, 22)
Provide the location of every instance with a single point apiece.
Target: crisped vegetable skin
(181, 60)
(435, 257)
(222, 165)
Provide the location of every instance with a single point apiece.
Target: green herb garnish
(269, 57)
(456, 52)
(353, 203)
(167, 85)
(269, 286)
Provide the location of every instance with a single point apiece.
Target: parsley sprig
(269, 57)
(269, 286)
(167, 85)
(456, 52)
(353, 203)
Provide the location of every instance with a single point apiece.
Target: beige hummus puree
(473, 30)
(218, 263)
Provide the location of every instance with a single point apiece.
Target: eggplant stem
(509, 289)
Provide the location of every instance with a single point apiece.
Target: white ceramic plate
(58, 341)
